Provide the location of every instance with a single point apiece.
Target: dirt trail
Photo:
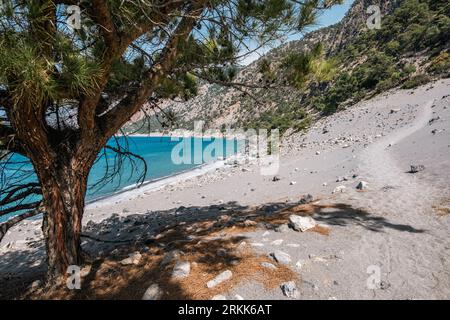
(405, 258)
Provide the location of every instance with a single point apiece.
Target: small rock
(257, 244)
(280, 257)
(293, 183)
(85, 271)
(276, 178)
(224, 276)
(35, 284)
(305, 199)
(238, 297)
(153, 292)
(289, 289)
(339, 189)
(362, 185)
(282, 228)
(268, 265)
(250, 223)
(169, 257)
(434, 120)
(181, 269)
(133, 258)
(417, 168)
(277, 242)
(299, 264)
(384, 285)
(317, 153)
(300, 223)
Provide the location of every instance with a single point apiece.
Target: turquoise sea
(156, 151)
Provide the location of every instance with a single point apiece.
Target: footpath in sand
(387, 240)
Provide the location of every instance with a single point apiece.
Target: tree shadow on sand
(211, 238)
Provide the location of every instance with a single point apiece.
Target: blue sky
(327, 18)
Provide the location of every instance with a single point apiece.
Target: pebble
(289, 289)
(362, 185)
(268, 265)
(153, 292)
(224, 276)
(181, 269)
(339, 189)
(133, 258)
(280, 257)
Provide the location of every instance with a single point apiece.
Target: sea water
(156, 151)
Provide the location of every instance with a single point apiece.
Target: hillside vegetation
(296, 83)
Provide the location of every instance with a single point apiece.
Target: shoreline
(133, 192)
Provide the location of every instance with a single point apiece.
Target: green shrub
(416, 81)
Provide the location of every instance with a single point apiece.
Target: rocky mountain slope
(330, 68)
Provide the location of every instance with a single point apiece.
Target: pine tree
(125, 54)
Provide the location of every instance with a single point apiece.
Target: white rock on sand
(223, 276)
(153, 292)
(289, 289)
(181, 269)
(133, 258)
(339, 189)
(280, 257)
(299, 223)
(362, 185)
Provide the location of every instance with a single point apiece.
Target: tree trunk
(63, 190)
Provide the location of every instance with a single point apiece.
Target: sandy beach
(397, 222)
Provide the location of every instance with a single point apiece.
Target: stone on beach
(362, 185)
(282, 228)
(289, 289)
(339, 189)
(299, 223)
(268, 265)
(417, 168)
(250, 223)
(153, 292)
(305, 199)
(169, 257)
(280, 257)
(133, 258)
(277, 242)
(224, 276)
(181, 269)
(36, 284)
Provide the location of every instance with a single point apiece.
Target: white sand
(396, 228)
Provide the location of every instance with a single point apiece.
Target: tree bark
(63, 190)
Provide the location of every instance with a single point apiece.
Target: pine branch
(5, 226)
